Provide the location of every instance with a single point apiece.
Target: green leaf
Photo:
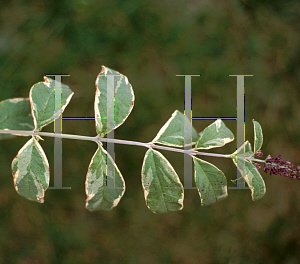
(210, 182)
(163, 190)
(172, 133)
(248, 171)
(252, 178)
(42, 102)
(118, 103)
(215, 135)
(15, 114)
(30, 169)
(100, 194)
(258, 136)
(243, 151)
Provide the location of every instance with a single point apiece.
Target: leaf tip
(46, 79)
(103, 69)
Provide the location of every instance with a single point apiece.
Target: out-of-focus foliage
(150, 42)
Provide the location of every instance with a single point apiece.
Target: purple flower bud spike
(284, 168)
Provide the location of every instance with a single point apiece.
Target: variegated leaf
(210, 182)
(30, 169)
(215, 135)
(104, 190)
(163, 190)
(114, 100)
(15, 115)
(42, 101)
(172, 133)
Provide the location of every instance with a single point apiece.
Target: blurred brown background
(150, 42)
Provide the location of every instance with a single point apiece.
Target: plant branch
(46, 134)
(258, 160)
(110, 140)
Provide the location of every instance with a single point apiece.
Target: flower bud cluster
(283, 168)
(259, 154)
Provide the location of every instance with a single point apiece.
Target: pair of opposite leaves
(30, 167)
